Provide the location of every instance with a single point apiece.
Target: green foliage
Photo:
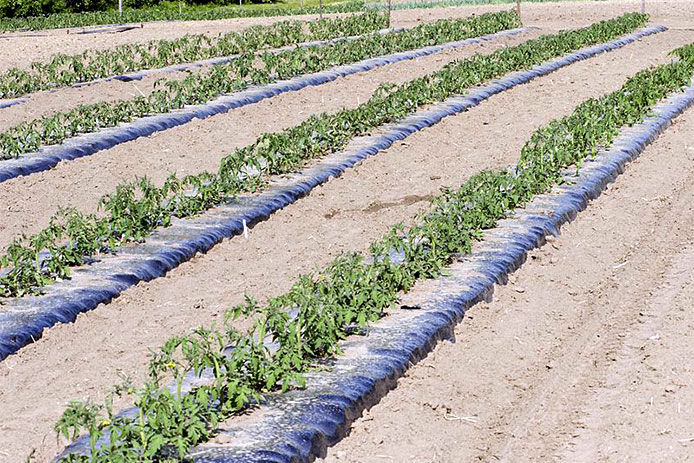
(168, 10)
(349, 293)
(36, 10)
(22, 8)
(63, 70)
(135, 209)
(19, 9)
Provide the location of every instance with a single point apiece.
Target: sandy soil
(674, 13)
(80, 360)
(49, 102)
(46, 103)
(550, 16)
(18, 51)
(584, 356)
(30, 201)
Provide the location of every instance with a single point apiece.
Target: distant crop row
(349, 293)
(135, 209)
(248, 69)
(63, 70)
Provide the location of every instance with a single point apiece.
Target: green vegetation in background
(24, 8)
(342, 298)
(174, 11)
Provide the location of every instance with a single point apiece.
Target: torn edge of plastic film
(23, 319)
(299, 425)
(114, 28)
(11, 102)
(88, 144)
(107, 30)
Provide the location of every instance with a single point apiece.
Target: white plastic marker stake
(136, 88)
(245, 229)
(643, 6)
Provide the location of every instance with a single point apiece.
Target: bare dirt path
(551, 16)
(584, 356)
(46, 103)
(80, 360)
(199, 145)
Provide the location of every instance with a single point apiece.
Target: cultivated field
(585, 355)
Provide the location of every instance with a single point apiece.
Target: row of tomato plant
(142, 15)
(248, 69)
(135, 209)
(63, 70)
(345, 296)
